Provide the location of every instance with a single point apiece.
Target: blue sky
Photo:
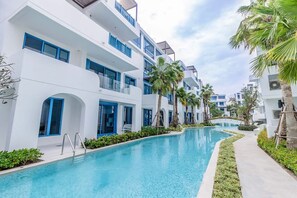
(199, 32)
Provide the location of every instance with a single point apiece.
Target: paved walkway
(260, 176)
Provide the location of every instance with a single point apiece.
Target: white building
(220, 101)
(82, 66)
(271, 94)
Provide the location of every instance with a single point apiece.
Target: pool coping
(206, 187)
(69, 156)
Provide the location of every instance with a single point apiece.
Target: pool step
(78, 159)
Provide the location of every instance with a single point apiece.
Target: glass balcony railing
(113, 85)
(124, 13)
(113, 41)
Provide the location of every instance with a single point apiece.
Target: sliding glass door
(107, 123)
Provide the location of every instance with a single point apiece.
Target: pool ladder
(73, 146)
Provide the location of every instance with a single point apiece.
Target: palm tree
(184, 100)
(267, 26)
(206, 93)
(194, 102)
(176, 76)
(160, 80)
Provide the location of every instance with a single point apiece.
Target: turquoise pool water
(170, 166)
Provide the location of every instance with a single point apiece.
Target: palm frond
(285, 51)
(259, 64)
(288, 72)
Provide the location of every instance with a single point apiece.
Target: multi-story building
(83, 68)
(220, 101)
(271, 95)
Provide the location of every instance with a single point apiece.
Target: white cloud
(207, 48)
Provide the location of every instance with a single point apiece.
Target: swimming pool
(170, 166)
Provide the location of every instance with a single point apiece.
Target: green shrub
(246, 127)
(178, 128)
(286, 157)
(18, 158)
(114, 139)
(227, 183)
(207, 124)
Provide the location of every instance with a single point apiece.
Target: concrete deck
(260, 176)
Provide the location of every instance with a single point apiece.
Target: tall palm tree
(193, 102)
(184, 100)
(268, 27)
(176, 76)
(160, 80)
(205, 95)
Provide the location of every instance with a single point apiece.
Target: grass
(286, 157)
(227, 183)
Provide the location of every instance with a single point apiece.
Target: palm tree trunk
(192, 114)
(158, 111)
(186, 121)
(291, 122)
(175, 119)
(205, 113)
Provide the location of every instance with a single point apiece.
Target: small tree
(233, 107)
(214, 111)
(205, 95)
(250, 101)
(7, 82)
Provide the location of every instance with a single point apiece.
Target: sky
(199, 32)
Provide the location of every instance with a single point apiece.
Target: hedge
(115, 139)
(286, 157)
(227, 183)
(18, 158)
(246, 127)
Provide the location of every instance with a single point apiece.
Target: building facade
(83, 68)
(220, 101)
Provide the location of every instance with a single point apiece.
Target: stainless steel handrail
(63, 144)
(83, 144)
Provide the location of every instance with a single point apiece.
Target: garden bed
(284, 156)
(227, 183)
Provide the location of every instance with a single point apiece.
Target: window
(238, 96)
(46, 48)
(147, 67)
(274, 83)
(158, 53)
(113, 41)
(147, 88)
(137, 41)
(221, 103)
(130, 81)
(213, 97)
(109, 79)
(128, 115)
(197, 116)
(149, 48)
(147, 117)
(170, 116)
(221, 97)
(170, 98)
(51, 117)
(276, 114)
(186, 86)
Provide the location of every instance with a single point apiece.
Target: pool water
(171, 166)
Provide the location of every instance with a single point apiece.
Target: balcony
(113, 85)
(253, 78)
(125, 14)
(114, 17)
(76, 31)
(113, 41)
(191, 79)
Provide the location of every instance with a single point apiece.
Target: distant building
(220, 100)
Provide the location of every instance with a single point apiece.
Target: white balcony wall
(75, 30)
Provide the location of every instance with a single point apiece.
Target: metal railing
(63, 144)
(81, 141)
(124, 13)
(114, 85)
